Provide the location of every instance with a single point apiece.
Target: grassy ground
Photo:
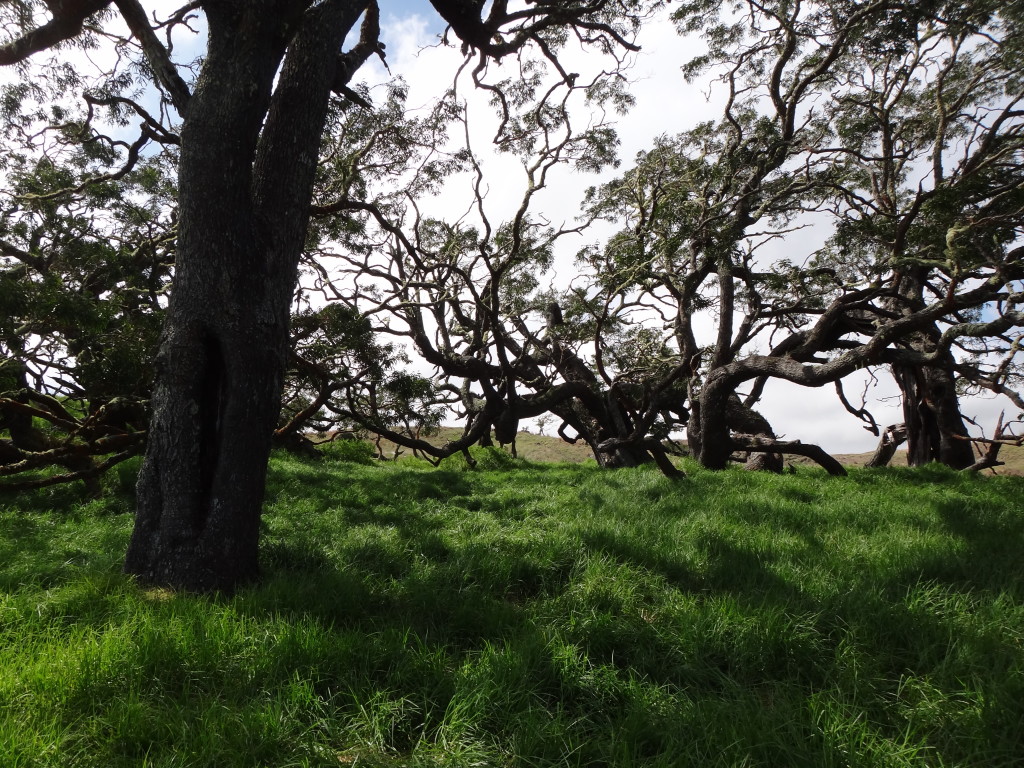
(532, 615)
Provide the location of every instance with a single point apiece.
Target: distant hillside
(1012, 455)
(529, 446)
(533, 447)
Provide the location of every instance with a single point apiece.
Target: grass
(532, 615)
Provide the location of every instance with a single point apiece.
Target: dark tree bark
(68, 18)
(248, 157)
(931, 409)
(931, 413)
(746, 421)
(708, 430)
(795, 447)
(28, 441)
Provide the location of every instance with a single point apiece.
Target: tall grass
(532, 615)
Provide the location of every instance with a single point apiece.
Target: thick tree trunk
(931, 412)
(617, 423)
(708, 430)
(245, 180)
(744, 420)
(718, 413)
(931, 408)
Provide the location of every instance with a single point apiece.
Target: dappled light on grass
(535, 615)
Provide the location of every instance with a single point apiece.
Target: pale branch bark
(991, 383)
(348, 62)
(892, 438)
(989, 457)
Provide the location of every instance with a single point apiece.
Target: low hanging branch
(89, 474)
(87, 447)
(814, 452)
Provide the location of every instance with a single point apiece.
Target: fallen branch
(989, 458)
(892, 438)
(767, 445)
(91, 473)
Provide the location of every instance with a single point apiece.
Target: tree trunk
(248, 158)
(931, 408)
(708, 429)
(744, 420)
(931, 412)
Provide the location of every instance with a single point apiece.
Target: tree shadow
(395, 567)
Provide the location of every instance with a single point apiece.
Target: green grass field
(532, 615)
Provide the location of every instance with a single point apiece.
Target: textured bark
(68, 19)
(795, 447)
(931, 409)
(716, 416)
(931, 412)
(746, 421)
(708, 430)
(29, 443)
(893, 437)
(247, 162)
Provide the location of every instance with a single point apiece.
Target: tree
(251, 125)
(900, 126)
(467, 294)
(80, 297)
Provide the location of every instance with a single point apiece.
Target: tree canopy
(202, 257)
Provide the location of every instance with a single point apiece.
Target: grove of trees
(203, 254)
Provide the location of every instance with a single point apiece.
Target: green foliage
(548, 615)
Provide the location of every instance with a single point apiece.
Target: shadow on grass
(407, 594)
(992, 538)
(44, 552)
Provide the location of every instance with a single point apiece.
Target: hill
(547, 448)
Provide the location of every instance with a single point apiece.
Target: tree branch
(159, 60)
(68, 18)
